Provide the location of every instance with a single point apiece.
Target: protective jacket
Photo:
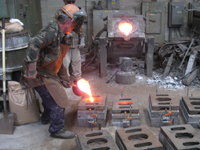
(48, 49)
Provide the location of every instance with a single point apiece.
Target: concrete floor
(36, 137)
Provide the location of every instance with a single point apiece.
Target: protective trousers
(52, 112)
(73, 56)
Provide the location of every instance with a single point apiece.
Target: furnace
(163, 110)
(125, 38)
(92, 113)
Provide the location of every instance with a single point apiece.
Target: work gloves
(65, 84)
(82, 42)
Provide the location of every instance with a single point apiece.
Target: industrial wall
(49, 7)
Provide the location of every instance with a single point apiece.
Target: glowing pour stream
(84, 86)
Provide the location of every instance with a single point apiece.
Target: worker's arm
(64, 76)
(43, 39)
(82, 37)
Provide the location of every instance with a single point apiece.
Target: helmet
(70, 10)
(69, 1)
(76, 14)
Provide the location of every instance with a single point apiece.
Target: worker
(73, 57)
(43, 68)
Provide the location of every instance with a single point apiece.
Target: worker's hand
(65, 84)
(82, 42)
(82, 45)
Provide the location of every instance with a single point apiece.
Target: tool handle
(4, 64)
(3, 23)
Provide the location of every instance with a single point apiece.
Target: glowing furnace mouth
(126, 28)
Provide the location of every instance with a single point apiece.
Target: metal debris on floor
(179, 59)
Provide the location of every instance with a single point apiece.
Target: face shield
(76, 14)
(79, 17)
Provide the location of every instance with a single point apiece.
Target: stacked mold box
(190, 110)
(86, 109)
(163, 110)
(137, 138)
(95, 140)
(179, 137)
(127, 114)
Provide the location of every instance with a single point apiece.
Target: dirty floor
(36, 137)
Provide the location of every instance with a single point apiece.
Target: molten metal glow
(84, 86)
(125, 103)
(125, 28)
(94, 99)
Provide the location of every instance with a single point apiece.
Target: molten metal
(125, 103)
(84, 86)
(126, 28)
(94, 99)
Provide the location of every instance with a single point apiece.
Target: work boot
(63, 134)
(45, 122)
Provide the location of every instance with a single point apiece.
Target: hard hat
(69, 1)
(70, 10)
(77, 15)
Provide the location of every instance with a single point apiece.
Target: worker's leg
(67, 60)
(54, 112)
(45, 115)
(76, 64)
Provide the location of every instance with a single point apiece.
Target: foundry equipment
(137, 138)
(125, 38)
(163, 110)
(16, 43)
(190, 110)
(6, 118)
(183, 137)
(92, 109)
(194, 18)
(95, 140)
(125, 112)
(92, 113)
(29, 13)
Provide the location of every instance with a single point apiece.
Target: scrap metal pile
(180, 59)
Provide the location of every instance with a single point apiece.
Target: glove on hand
(82, 42)
(65, 84)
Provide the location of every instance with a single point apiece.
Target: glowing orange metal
(126, 28)
(94, 99)
(125, 103)
(84, 86)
